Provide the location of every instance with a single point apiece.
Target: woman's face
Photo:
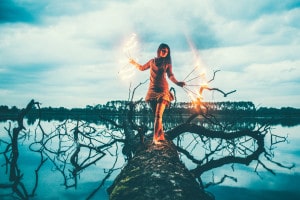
(163, 52)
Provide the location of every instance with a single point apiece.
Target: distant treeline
(118, 108)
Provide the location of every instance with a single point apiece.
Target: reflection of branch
(42, 161)
(77, 146)
(224, 147)
(200, 130)
(275, 139)
(14, 143)
(109, 173)
(220, 181)
(214, 163)
(71, 147)
(15, 174)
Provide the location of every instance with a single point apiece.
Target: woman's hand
(131, 61)
(180, 83)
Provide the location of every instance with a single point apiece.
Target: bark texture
(156, 172)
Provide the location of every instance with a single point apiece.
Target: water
(54, 185)
(264, 185)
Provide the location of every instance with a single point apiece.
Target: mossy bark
(156, 172)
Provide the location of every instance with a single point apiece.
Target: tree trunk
(156, 172)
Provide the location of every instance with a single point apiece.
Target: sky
(72, 53)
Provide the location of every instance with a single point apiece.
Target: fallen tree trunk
(156, 172)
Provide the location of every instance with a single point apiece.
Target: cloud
(73, 48)
(245, 11)
(266, 24)
(10, 11)
(269, 76)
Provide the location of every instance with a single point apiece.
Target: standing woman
(158, 94)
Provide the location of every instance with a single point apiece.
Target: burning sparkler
(196, 82)
(130, 49)
(194, 87)
(195, 91)
(130, 45)
(196, 78)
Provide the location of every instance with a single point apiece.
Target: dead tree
(156, 172)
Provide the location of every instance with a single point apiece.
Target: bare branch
(205, 87)
(213, 78)
(133, 92)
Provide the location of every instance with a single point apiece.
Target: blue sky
(69, 53)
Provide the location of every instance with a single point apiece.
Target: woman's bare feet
(157, 142)
(158, 138)
(162, 137)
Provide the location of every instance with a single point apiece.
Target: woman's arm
(134, 63)
(174, 80)
(172, 77)
(140, 67)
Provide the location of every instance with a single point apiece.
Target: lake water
(249, 185)
(264, 185)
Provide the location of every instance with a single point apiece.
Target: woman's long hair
(163, 61)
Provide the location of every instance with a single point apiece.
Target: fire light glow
(130, 48)
(196, 79)
(130, 45)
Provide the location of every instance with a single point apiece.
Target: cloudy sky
(70, 53)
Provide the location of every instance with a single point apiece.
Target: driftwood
(156, 172)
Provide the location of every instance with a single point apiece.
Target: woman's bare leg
(158, 126)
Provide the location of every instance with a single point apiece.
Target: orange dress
(158, 87)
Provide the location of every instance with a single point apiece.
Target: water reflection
(64, 152)
(79, 158)
(264, 185)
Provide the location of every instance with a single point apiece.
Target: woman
(158, 94)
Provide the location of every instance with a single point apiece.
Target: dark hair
(167, 59)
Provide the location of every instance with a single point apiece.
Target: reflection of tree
(73, 147)
(11, 155)
(203, 141)
(224, 144)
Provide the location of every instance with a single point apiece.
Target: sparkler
(130, 45)
(130, 49)
(198, 83)
(202, 75)
(196, 96)
(196, 78)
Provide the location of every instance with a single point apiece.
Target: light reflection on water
(51, 181)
